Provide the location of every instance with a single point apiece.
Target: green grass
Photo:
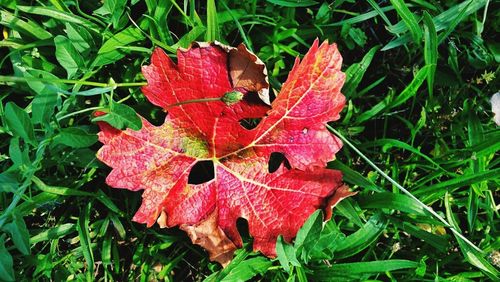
(420, 146)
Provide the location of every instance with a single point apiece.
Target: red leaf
(159, 159)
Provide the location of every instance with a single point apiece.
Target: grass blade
(429, 209)
(439, 242)
(362, 238)
(455, 20)
(409, 19)
(53, 233)
(58, 15)
(389, 143)
(412, 88)
(441, 21)
(354, 74)
(476, 258)
(386, 200)
(430, 50)
(361, 18)
(380, 12)
(434, 192)
(248, 269)
(293, 3)
(247, 42)
(213, 33)
(29, 27)
(356, 270)
(353, 177)
(82, 227)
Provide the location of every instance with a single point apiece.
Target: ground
(420, 75)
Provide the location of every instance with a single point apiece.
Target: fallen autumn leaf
(159, 159)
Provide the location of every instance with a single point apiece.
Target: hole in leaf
(202, 171)
(275, 160)
(242, 226)
(157, 115)
(252, 98)
(250, 123)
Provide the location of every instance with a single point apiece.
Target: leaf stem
(5, 79)
(89, 17)
(194, 101)
(79, 112)
(229, 98)
(131, 84)
(408, 193)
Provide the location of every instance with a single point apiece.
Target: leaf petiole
(229, 98)
(79, 112)
(6, 79)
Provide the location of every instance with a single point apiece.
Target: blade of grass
(213, 33)
(27, 27)
(386, 200)
(380, 12)
(430, 51)
(412, 88)
(476, 258)
(248, 43)
(58, 15)
(362, 238)
(454, 22)
(354, 74)
(346, 208)
(62, 191)
(241, 255)
(360, 18)
(353, 270)
(389, 143)
(441, 21)
(82, 227)
(441, 243)
(53, 233)
(477, 164)
(393, 182)
(354, 177)
(58, 4)
(293, 3)
(409, 19)
(14, 79)
(189, 37)
(434, 192)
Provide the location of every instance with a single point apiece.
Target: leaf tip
(341, 193)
